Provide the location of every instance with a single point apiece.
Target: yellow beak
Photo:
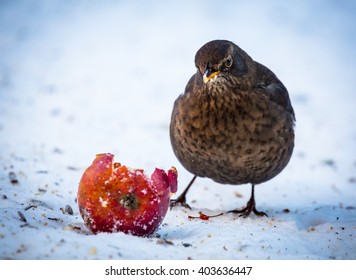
(208, 75)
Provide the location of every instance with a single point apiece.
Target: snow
(78, 78)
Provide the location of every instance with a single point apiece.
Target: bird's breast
(231, 137)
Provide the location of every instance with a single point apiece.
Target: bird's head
(220, 58)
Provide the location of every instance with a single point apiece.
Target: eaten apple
(115, 198)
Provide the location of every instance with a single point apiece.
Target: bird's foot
(246, 211)
(180, 201)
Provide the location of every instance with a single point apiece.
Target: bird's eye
(228, 61)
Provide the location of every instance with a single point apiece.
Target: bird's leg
(181, 199)
(250, 207)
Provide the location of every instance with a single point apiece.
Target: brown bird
(234, 123)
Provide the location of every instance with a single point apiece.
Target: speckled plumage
(234, 123)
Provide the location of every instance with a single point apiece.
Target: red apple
(113, 198)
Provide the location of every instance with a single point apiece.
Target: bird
(234, 123)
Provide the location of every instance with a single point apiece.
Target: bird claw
(259, 213)
(179, 201)
(246, 211)
(250, 207)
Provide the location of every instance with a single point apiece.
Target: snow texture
(78, 78)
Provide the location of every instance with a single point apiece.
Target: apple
(114, 198)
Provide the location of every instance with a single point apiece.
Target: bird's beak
(209, 74)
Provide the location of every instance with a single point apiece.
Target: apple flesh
(114, 198)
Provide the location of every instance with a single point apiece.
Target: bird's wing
(270, 84)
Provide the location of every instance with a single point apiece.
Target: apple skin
(114, 198)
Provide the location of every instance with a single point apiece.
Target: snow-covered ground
(79, 78)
